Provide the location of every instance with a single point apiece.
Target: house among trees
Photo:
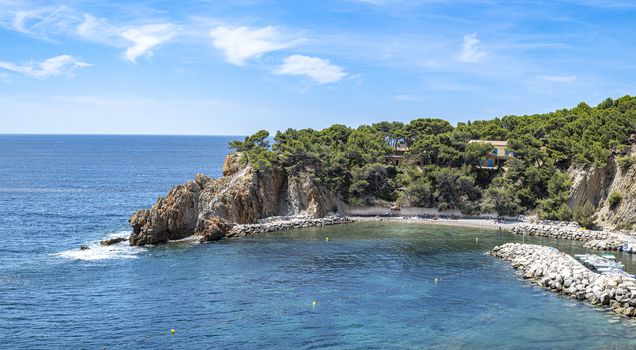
(497, 158)
(397, 156)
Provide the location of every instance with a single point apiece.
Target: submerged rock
(210, 208)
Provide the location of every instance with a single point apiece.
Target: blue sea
(370, 286)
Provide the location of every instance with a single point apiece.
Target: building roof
(492, 142)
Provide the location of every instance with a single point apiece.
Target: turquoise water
(371, 285)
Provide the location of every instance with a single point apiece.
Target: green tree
(585, 215)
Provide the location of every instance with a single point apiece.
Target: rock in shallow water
(112, 241)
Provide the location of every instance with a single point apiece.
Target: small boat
(605, 263)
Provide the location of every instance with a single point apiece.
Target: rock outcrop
(625, 212)
(594, 184)
(590, 184)
(561, 273)
(210, 208)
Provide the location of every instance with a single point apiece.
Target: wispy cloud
(558, 78)
(97, 30)
(240, 44)
(317, 69)
(138, 40)
(145, 38)
(470, 51)
(54, 66)
(28, 20)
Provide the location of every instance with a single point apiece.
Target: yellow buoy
(326, 239)
(476, 239)
(314, 303)
(172, 331)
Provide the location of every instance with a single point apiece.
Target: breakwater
(561, 273)
(278, 223)
(556, 229)
(604, 244)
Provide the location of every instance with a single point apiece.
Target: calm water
(369, 286)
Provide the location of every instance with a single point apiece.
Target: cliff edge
(209, 208)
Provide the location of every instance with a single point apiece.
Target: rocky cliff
(623, 183)
(595, 184)
(209, 208)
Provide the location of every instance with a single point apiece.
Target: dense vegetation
(441, 168)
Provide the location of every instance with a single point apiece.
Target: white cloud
(97, 30)
(54, 66)
(145, 38)
(470, 52)
(138, 40)
(319, 70)
(558, 78)
(26, 21)
(242, 43)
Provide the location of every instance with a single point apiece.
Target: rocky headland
(232, 205)
(561, 273)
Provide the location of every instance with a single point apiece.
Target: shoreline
(467, 223)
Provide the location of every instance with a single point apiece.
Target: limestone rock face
(624, 184)
(590, 184)
(208, 207)
(594, 185)
(212, 228)
(172, 217)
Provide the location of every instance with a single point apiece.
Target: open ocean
(371, 286)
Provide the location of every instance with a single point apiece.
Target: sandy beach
(472, 223)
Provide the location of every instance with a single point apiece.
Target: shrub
(625, 162)
(564, 213)
(614, 200)
(419, 194)
(585, 215)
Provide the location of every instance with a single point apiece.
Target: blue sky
(212, 67)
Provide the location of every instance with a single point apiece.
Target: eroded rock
(209, 208)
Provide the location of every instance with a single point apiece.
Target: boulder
(212, 228)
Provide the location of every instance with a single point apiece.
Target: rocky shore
(561, 273)
(277, 223)
(557, 229)
(233, 204)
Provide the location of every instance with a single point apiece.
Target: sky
(233, 67)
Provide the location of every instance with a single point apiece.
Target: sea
(369, 286)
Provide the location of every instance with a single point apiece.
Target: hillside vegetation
(441, 168)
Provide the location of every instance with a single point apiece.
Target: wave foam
(97, 251)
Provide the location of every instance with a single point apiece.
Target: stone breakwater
(273, 224)
(560, 230)
(604, 244)
(561, 273)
